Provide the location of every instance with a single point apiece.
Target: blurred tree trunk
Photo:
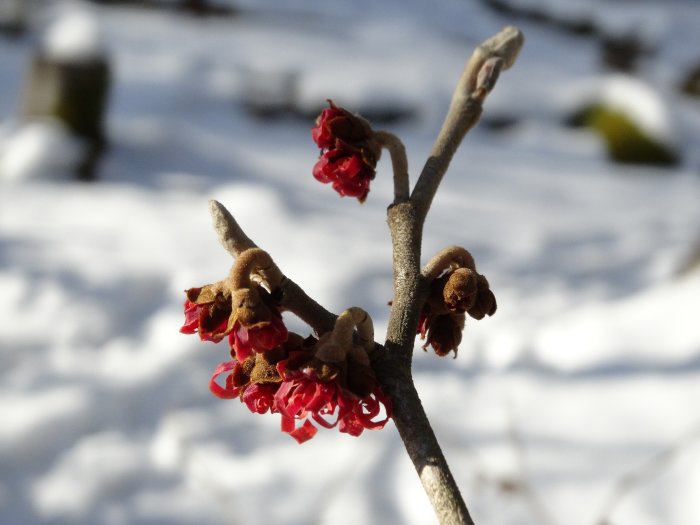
(75, 94)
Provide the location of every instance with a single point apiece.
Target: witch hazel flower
(256, 323)
(335, 387)
(349, 152)
(311, 383)
(238, 308)
(207, 311)
(455, 291)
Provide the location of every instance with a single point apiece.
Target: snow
(642, 103)
(39, 150)
(73, 36)
(576, 402)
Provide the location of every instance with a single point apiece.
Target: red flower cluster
(349, 155)
(455, 293)
(275, 371)
(209, 311)
(292, 382)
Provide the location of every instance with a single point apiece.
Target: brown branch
(292, 297)
(465, 110)
(406, 221)
(399, 163)
(452, 255)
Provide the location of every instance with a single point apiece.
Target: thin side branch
(292, 297)
(444, 259)
(465, 108)
(399, 163)
(231, 236)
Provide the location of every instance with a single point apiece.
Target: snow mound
(75, 36)
(641, 102)
(39, 150)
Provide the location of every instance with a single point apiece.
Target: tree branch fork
(405, 218)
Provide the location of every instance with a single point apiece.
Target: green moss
(626, 141)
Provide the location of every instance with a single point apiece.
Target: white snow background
(576, 403)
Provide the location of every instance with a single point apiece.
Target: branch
(446, 258)
(292, 297)
(399, 163)
(406, 219)
(465, 108)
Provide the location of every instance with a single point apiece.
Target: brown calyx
(460, 290)
(249, 308)
(485, 303)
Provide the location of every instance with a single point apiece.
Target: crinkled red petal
(321, 172)
(229, 391)
(371, 407)
(260, 398)
(351, 425)
(191, 318)
(304, 433)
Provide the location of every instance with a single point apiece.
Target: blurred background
(577, 193)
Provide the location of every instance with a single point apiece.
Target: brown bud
(460, 291)
(485, 303)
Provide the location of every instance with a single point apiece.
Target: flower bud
(485, 303)
(459, 292)
(349, 152)
(336, 124)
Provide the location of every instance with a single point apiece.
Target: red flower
(208, 315)
(303, 396)
(260, 398)
(260, 337)
(321, 133)
(337, 125)
(347, 170)
(349, 153)
(232, 386)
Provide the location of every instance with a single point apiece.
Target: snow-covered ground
(576, 403)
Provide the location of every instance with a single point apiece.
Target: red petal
(239, 342)
(259, 398)
(304, 432)
(351, 425)
(228, 392)
(191, 318)
(268, 336)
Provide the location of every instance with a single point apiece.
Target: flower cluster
(273, 370)
(293, 381)
(349, 154)
(248, 316)
(457, 292)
